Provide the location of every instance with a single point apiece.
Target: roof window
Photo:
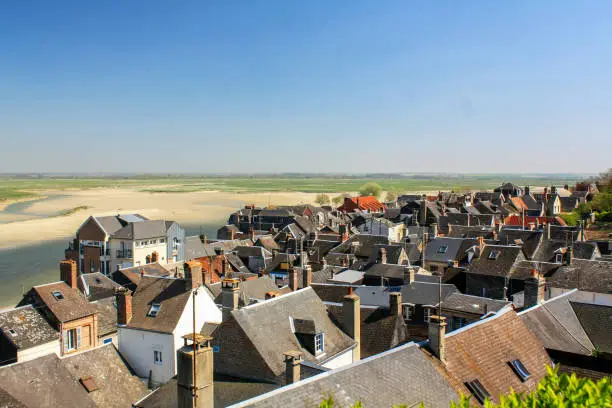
(12, 332)
(494, 254)
(478, 390)
(442, 249)
(58, 295)
(519, 369)
(154, 311)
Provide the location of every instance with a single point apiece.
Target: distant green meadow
(15, 188)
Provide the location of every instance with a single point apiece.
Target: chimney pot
(395, 303)
(193, 275)
(293, 359)
(307, 276)
(352, 321)
(230, 295)
(535, 290)
(437, 333)
(293, 279)
(124, 306)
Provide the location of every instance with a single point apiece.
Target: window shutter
(78, 342)
(66, 341)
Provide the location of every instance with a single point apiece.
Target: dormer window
(443, 249)
(494, 254)
(154, 311)
(558, 258)
(319, 342)
(58, 295)
(519, 369)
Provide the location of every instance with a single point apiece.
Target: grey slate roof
(107, 316)
(460, 302)
(44, 383)
(142, 230)
(587, 275)
(249, 289)
(528, 240)
(99, 286)
(505, 265)
(195, 247)
(31, 328)
(110, 224)
(456, 248)
(364, 246)
(555, 323)
(404, 375)
(597, 323)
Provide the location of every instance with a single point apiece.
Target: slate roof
(460, 302)
(587, 275)
(418, 293)
(99, 286)
(456, 249)
(394, 252)
(73, 306)
(31, 328)
(387, 270)
(555, 323)
(195, 247)
(169, 293)
(117, 386)
(107, 316)
(483, 349)
(463, 231)
(585, 250)
(142, 230)
(44, 383)
(365, 245)
(255, 289)
(504, 265)
(379, 381)
(130, 277)
(270, 319)
(267, 242)
(110, 224)
(380, 331)
(528, 240)
(597, 323)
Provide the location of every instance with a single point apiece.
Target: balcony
(125, 254)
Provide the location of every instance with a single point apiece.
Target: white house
(154, 320)
(139, 243)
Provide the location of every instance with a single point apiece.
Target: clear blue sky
(339, 86)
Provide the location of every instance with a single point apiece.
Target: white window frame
(426, 314)
(158, 357)
(319, 343)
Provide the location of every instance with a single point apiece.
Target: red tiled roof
(517, 221)
(518, 203)
(369, 203)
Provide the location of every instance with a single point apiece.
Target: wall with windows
(145, 247)
(139, 348)
(176, 243)
(79, 335)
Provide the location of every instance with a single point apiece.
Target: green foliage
(570, 219)
(583, 211)
(338, 200)
(322, 199)
(370, 189)
(603, 202)
(391, 196)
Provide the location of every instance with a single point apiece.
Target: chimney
(124, 306)
(481, 244)
(68, 272)
(569, 255)
(395, 303)
(230, 296)
(408, 275)
(293, 359)
(193, 275)
(382, 255)
(252, 231)
(437, 332)
(534, 291)
(526, 190)
(293, 279)
(272, 294)
(306, 276)
(434, 229)
(198, 393)
(352, 321)
(231, 233)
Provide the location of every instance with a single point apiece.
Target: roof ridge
(564, 294)
(499, 313)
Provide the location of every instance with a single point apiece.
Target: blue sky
(318, 86)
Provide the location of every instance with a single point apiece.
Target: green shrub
(370, 189)
(570, 219)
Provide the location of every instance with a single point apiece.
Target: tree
(370, 189)
(338, 200)
(322, 199)
(391, 196)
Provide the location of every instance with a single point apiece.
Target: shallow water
(20, 208)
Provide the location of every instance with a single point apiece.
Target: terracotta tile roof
(366, 203)
(518, 203)
(516, 220)
(483, 350)
(70, 304)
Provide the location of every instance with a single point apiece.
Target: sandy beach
(187, 208)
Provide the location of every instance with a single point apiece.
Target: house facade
(139, 244)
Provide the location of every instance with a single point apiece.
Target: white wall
(137, 347)
(340, 360)
(141, 252)
(52, 347)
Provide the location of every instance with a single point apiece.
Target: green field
(13, 188)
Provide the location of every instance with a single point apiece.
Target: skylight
(442, 249)
(58, 295)
(478, 390)
(519, 369)
(12, 332)
(494, 254)
(153, 312)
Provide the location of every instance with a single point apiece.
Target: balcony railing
(126, 253)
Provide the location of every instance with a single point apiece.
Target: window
(72, 339)
(163, 240)
(519, 369)
(319, 343)
(58, 295)
(442, 249)
(494, 254)
(408, 312)
(426, 314)
(12, 332)
(154, 310)
(478, 390)
(558, 258)
(108, 341)
(157, 357)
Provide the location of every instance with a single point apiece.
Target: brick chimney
(124, 306)
(437, 332)
(293, 279)
(193, 275)
(481, 244)
(252, 232)
(293, 359)
(548, 231)
(230, 295)
(395, 303)
(202, 388)
(352, 321)
(382, 255)
(68, 272)
(535, 290)
(306, 276)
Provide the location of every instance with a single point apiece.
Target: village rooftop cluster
(417, 300)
